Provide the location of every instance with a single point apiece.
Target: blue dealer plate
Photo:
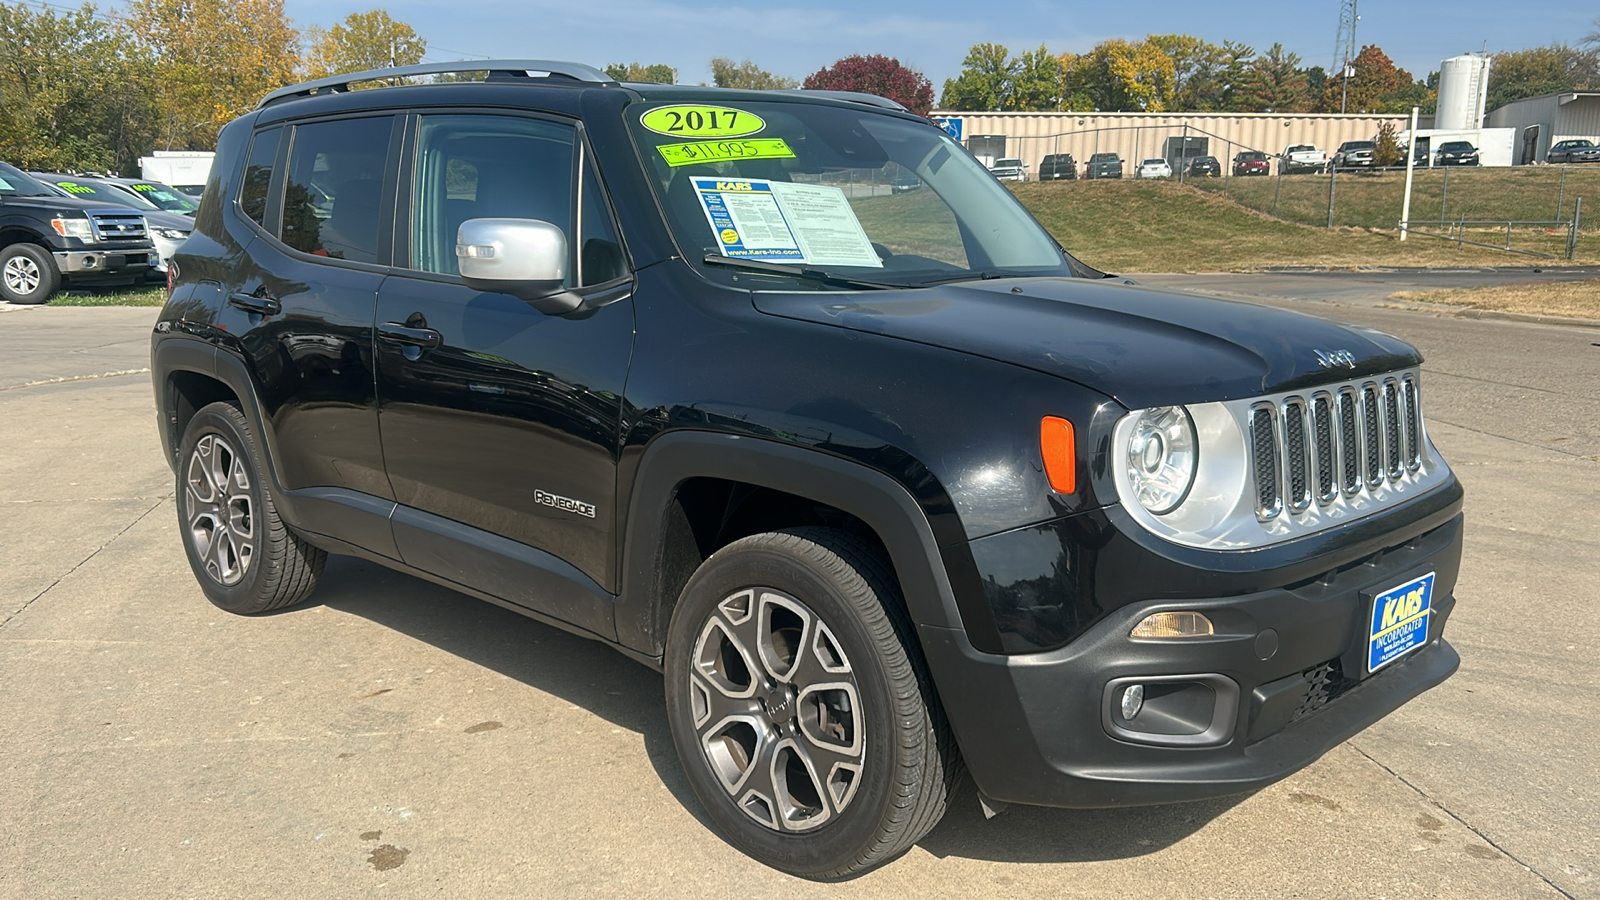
(1399, 621)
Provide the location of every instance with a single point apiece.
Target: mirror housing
(526, 258)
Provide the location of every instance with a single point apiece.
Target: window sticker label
(716, 151)
(702, 121)
(775, 221)
(74, 188)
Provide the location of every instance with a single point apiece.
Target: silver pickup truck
(1297, 158)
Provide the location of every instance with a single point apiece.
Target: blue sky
(794, 38)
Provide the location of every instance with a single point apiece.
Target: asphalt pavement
(394, 738)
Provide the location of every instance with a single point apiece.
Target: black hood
(56, 203)
(1144, 347)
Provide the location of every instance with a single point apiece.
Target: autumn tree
(1122, 75)
(880, 75)
(75, 91)
(1197, 66)
(364, 40)
(212, 61)
(1542, 70)
(1376, 85)
(1387, 150)
(659, 73)
(984, 82)
(747, 75)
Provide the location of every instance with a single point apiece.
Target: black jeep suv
(882, 483)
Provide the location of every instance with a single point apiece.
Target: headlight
(1161, 456)
(171, 234)
(78, 228)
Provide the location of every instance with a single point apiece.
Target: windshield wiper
(982, 275)
(804, 272)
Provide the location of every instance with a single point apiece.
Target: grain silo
(1463, 92)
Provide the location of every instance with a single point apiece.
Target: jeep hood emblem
(1330, 358)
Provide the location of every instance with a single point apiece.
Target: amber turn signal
(1060, 452)
(1173, 625)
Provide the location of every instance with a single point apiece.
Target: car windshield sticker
(702, 121)
(6, 185)
(776, 221)
(73, 188)
(716, 151)
(1399, 621)
(152, 189)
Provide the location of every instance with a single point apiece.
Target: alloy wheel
(22, 275)
(219, 510)
(777, 710)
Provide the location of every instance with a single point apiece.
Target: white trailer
(186, 170)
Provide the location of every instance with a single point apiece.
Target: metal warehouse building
(1542, 121)
(1135, 136)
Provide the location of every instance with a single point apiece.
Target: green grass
(154, 295)
(1375, 199)
(1163, 226)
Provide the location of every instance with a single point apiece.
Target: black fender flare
(188, 354)
(884, 504)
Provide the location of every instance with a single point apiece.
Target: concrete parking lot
(392, 737)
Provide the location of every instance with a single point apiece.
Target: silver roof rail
(852, 97)
(339, 83)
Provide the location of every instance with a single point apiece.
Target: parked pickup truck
(1301, 158)
(45, 236)
(1010, 169)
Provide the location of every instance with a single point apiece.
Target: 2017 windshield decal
(694, 121)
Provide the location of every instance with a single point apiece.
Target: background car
(1355, 155)
(1456, 153)
(1103, 165)
(1251, 162)
(1009, 168)
(168, 230)
(163, 196)
(905, 180)
(1058, 167)
(1205, 167)
(1574, 151)
(1154, 168)
(1297, 158)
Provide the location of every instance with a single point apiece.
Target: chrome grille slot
(1264, 450)
(1413, 425)
(1326, 451)
(1349, 443)
(1371, 436)
(1294, 447)
(116, 226)
(1391, 430)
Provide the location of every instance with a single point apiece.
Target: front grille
(1324, 684)
(115, 227)
(1354, 438)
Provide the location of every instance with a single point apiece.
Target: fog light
(1132, 700)
(88, 262)
(1173, 625)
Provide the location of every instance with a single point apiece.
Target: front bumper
(80, 263)
(1285, 665)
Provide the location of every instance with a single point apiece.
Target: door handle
(265, 306)
(395, 333)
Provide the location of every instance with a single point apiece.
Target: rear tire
(800, 705)
(246, 559)
(28, 274)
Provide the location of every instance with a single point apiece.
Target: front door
(500, 424)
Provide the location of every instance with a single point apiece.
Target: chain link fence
(1531, 210)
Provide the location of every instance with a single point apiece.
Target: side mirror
(525, 258)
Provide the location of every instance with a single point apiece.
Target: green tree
(1387, 152)
(660, 73)
(212, 61)
(75, 91)
(1542, 70)
(1036, 82)
(984, 82)
(1196, 72)
(364, 40)
(747, 75)
(1273, 82)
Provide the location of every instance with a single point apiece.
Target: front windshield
(16, 183)
(169, 199)
(105, 193)
(819, 186)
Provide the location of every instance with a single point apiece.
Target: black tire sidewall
(49, 276)
(219, 419)
(834, 845)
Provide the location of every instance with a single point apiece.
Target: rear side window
(258, 175)
(334, 188)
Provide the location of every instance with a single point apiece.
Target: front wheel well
(706, 514)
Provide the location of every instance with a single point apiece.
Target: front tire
(801, 708)
(28, 274)
(246, 559)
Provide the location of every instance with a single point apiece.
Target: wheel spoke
(797, 787)
(784, 628)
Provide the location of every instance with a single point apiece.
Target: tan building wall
(1136, 136)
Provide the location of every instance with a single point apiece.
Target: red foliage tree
(876, 75)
